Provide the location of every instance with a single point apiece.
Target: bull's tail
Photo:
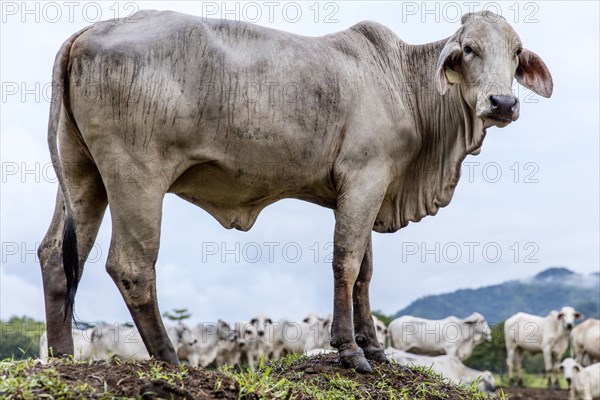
(60, 107)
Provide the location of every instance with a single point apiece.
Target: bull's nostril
(515, 104)
(493, 102)
(503, 105)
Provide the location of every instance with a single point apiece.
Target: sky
(529, 201)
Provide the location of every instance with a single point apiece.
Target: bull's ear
(472, 319)
(578, 315)
(533, 73)
(448, 67)
(576, 367)
(560, 316)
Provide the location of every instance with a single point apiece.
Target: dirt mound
(146, 379)
(292, 377)
(390, 380)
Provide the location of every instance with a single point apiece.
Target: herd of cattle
(439, 344)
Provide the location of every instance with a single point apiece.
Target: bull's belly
(531, 348)
(236, 197)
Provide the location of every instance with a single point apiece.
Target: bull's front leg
(548, 364)
(356, 211)
(365, 334)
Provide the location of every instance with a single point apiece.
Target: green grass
(286, 378)
(17, 383)
(538, 381)
(274, 381)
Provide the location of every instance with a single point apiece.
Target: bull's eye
(468, 50)
(518, 52)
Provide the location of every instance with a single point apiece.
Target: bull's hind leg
(364, 328)
(87, 196)
(136, 209)
(88, 199)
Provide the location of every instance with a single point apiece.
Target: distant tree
(386, 319)
(20, 338)
(177, 314)
(589, 309)
(490, 356)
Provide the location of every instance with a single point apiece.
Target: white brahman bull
(101, 341)
(548, 335)
(229, 348)
(584, 383)
(367, 136)
(300, 337)
(124, 340)
(256, 340)
(380, 330)
(448, 366)
(82, 342)
(203, 350)
(585, 339)
(452, 336)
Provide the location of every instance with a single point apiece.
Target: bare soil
(517, 393)
(137, 380)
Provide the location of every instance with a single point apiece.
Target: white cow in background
(548, 335)
(452, 336)
(448, 366)
(82, 344)
(121, 340)
(254, 343)
(585, 339)
(301, 337)
(203, 350)
(101, 341)
(584, 383)
(381, 330)
(229, 348)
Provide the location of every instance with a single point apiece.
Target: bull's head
(483, 58)
(567, 316)
(569, 368)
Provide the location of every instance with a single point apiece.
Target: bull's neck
(436, 116)
(446, 130)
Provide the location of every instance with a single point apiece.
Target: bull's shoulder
(362, 40)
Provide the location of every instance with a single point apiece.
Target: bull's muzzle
(503, 108)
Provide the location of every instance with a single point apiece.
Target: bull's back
(229, 87)
(524, 331)
(259, 111)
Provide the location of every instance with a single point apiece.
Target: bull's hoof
(377, 355)
(355, 359)
(520, 383)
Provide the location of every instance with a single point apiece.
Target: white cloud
(19, 297)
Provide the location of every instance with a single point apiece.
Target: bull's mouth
(500, 118)
(499, 121)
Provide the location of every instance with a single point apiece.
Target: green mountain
(549, 290)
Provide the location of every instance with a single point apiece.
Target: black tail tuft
(70, 263)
